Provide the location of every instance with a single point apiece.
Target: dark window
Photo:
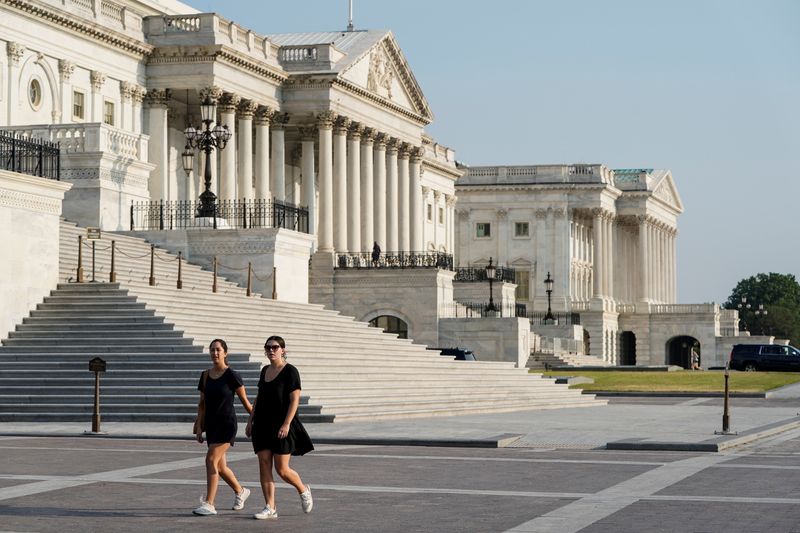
(391, 324)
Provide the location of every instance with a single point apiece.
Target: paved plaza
(541, 480)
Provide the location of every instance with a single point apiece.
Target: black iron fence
(537, 318)
(396, 260)
(35, 157)
(506, 310)
(228, 214)
(479, 274)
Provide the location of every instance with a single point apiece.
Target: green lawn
(680, 381)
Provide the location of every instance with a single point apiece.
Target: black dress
(272, 404)
(220, 419)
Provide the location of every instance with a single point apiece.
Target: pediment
(383, 71)
(666, 191)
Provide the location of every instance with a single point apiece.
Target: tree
(780, 296)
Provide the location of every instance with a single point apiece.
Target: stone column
(136, 119)
(597, 253)
(392, 232)
(416, 216)
(436, 235)
(367, 192)
(609, 256)
(340, 184)
(325, 226)
(354, 188)
(295, 174)
(379, 201)
(643, 258)
(307, 135)
(158, 149)
(426, 191)
(450, 226)
(14, 51)
(263, 117)
(227, 116)
(278, 159)
(97, 80)
(247, 109)
(125, 115)
(65, 70)
(403, 208)
(674, 263)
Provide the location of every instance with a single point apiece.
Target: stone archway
(627, 348)
(391, 324)
(679, 350)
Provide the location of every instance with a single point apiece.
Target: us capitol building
(330, 128)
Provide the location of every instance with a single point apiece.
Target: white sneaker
(306, 500)
(205, 509)
(266, 513)
(238, 502)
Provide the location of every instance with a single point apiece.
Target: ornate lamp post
(760, 314)
(205, 140)
(743, 306)
(490, 272)
(548, 284)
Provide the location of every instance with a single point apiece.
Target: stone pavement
(645, 423)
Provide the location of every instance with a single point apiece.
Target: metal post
(726, 418)
(274, 284)
(96, 414)
(180, 259)
(112, 276)
(152, 265)
(80, 259)
(214, 285)
(93, 260)
(249, 273)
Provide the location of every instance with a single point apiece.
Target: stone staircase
(539, 360)
(350, 370)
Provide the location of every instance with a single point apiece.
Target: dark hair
(277, 339)
(221, 343)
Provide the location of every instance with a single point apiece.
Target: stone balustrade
(85, 138)
(540, 174)
(683, 308)
(105, 12)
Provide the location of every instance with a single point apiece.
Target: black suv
(459, 354)
(752, 357)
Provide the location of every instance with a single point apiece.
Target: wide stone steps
(362, 371)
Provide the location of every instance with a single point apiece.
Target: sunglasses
(271, 347)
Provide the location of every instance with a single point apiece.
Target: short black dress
(272, 404)
(220, 420)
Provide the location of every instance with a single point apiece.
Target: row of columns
(657, 258)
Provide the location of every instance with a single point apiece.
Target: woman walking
(275, 429)
(216, 415)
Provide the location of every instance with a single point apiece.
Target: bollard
(274, 284)
(80, 259)
(96, 365)
(726, 417)
(249, 271)
(214, 285)
(180, 282)
(152, 265)
(112, 276)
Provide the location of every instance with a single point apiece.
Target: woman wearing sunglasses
(275, 429)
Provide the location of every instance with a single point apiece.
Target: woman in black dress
(275, 429)
(217, 386)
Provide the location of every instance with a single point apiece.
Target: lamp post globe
(490, 273)
(205, 140)
(548, 284)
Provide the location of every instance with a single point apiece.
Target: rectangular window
(521, 278)
(77, 105)
(483, 229)
(521, 229)
(430, 213)
(108, 113)
(441, 215)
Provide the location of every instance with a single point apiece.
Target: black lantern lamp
(548, 285)
(490, 272)
(743, 306)
(206, 140)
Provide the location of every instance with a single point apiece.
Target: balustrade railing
(35, 157)
(298, 54)
(480, 310)
(396, 260)
(228, 214)
(537, 318)
(479, 274)
(683, 308)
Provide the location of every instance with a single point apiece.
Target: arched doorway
(679, 350)
(391, 324)
(627, 341)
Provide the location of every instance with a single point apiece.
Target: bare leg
(265, 476)
(287, 474)
(216, 452)
(228, 476)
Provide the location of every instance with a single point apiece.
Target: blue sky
(708, 89)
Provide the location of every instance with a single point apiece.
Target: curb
(678, 394)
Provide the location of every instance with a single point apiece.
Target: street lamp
(205, 140)
(548, 284)
(490, 272)
(743, 306)
(760, 314)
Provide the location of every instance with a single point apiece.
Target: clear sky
(708, 89)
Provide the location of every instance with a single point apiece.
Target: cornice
(529, 186)
(236, 58)
(213, 53)
(379, 100)
(450, 171)
(68, 22)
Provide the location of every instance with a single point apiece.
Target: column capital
(228, 102)
(126, 90)
(325, 120)
(355, 131)
(541, 213)
(392, 145)
(157, 97)
(425, 191)
(464, 213)
(404, 150)
(263, 115)
(15, 51)
(308, 132)
(559, 212)
(368, 135)
(380, 140)
(138, 94)
(247, 109)
(213, 92)
(65, 69)
(437, 195)
(450, 200)
(279, 120)
(97, 79)
(341, 125)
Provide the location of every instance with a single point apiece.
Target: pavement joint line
(492, 459)
(586, 511)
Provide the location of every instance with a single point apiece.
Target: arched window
(390, 324)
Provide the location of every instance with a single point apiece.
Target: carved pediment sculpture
(380, 75)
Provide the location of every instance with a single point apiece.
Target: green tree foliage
(780, 296)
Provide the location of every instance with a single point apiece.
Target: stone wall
(491, 339)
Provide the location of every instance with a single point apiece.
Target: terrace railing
(35, 157)
(396, 260)
(479, 274)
